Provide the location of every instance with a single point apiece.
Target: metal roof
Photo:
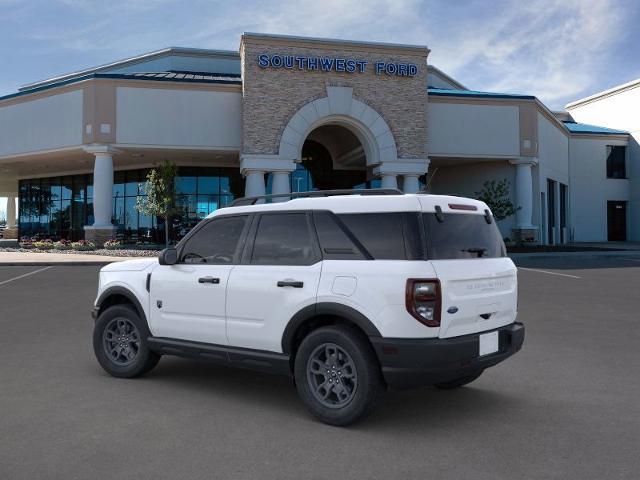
(132, 61)
(575, 127)
(175, 75)
(445, 92)
(186, 77)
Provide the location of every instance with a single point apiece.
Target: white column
(389, 180)
(524, 192)
(411, 183)
(103, 189)
(254, 185)
(11, 212)
(280, 185)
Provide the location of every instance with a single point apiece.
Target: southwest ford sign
(334, 64)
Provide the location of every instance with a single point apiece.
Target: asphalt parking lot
(567, 406)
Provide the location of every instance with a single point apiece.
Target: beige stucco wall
(272, 96)
(49, 122)
(178, 117)
(457, 128)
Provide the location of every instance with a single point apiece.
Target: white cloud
(553, 49)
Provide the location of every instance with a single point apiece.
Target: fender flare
(125, 292)
(326, 308)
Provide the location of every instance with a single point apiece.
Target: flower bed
(122, 252)
(83, 245)
(112, 247)
(112, 244)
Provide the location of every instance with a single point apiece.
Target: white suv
(347, 294)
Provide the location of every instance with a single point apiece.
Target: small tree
(496, 195)
(160, 193)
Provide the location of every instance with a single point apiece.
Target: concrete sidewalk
(37, 259)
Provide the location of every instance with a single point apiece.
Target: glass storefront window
(60, 207)
(186, 185)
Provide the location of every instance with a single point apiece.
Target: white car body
(246, 309)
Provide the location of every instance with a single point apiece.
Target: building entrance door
(617, 221)
(551, 212)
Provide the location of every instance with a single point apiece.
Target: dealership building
(293, 114)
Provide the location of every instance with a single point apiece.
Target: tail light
(423, 300)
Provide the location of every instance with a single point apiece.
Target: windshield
(462, 235)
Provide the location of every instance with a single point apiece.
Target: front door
(187, 300)
(617, 221)
(279, 277)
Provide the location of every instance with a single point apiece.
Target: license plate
(489, 343)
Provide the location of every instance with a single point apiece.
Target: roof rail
(244, 201)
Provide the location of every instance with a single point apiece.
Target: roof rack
(244, 201)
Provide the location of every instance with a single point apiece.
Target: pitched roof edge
(604, 93)
(128, 61)
(116, 76)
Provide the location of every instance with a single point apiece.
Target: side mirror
(168, 256)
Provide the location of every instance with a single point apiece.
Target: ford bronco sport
(349, 294)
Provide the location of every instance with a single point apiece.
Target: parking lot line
(25, 275)
(548, 272)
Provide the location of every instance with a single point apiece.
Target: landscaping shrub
(112, 244)
(83, 245)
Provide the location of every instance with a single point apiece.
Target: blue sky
(558, 50)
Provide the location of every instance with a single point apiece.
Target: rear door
(478, 281)
(278, 277)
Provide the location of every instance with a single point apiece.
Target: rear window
(462, 235)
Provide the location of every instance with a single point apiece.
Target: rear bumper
(408, 362)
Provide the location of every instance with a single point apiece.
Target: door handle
(290, 283)
(209, 280)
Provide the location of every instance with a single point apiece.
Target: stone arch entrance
(350, 132)
(341, 109)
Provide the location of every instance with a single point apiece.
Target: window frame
(247, 254)
(237, 255)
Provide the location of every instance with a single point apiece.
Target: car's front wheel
(337, 375)
(120, 342)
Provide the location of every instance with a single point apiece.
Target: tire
(132, 357)
(331, 355)
(459, 382)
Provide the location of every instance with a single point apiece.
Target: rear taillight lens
(423, 301)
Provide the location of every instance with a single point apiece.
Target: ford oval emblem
(452, 309)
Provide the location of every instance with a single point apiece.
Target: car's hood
(135, 265)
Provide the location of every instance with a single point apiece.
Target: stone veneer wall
(271, 96)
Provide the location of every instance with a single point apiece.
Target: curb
(100, 263)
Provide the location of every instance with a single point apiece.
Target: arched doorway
(332, 158)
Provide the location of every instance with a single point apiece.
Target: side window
(283, 239)
(334, 241)
(216, 242)
(380, 233)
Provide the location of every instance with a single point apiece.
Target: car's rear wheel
(337, 375)
(459, 382)
(120, 342)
